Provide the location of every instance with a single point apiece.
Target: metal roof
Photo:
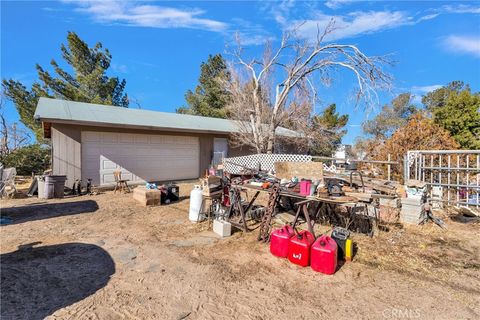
(63, 111)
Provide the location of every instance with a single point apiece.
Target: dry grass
(168, 268)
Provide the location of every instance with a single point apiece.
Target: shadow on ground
(37, 281)
(40, 211)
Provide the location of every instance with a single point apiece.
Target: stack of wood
(380, 185)
(147, 197)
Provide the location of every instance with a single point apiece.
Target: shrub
(33, 158)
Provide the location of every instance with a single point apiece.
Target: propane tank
(196, 201)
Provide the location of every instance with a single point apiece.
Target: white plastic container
(41, 187)
(222, 228)
(196, 201)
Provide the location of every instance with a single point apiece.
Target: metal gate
(454, 175)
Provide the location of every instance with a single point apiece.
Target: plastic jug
(305, 187)
(324, 255)
(299, 248)
(279, 240)
(340, 235)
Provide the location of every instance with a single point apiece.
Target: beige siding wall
(66, 153)
(66, 147)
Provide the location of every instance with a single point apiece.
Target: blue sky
(158, 46)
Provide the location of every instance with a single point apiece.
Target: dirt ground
(106, 257)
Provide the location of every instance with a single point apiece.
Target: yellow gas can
(348, 249)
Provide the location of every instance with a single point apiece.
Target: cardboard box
(308, 170)
(147, 197)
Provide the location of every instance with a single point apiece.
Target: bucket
(54, 186)
(305, 187)
(41, 186)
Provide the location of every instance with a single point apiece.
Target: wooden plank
(360, 196)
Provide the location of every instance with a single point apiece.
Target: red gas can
(324, 255)
(299, 248)
(279, 241)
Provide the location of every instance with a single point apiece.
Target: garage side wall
(67, 147)
(66, 152)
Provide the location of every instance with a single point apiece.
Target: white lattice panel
(236, 164)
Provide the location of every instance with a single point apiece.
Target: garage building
(92, 141)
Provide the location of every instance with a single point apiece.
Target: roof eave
(129, 126)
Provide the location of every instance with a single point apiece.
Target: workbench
(304, 203)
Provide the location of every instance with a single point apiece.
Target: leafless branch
(297, 60)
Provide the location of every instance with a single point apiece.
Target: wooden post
(389, 168)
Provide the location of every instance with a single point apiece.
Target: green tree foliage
(210, 97)
(87, 83)
(391, 117)
(328, 130)
(33, 158)
(456, 109)
(438, 98)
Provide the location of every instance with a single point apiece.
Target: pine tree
(328, 130)
(210, 97)
(390, 118)
(88, 83)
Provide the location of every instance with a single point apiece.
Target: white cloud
(419, 91)
(426, 89)
(251, 33)
(428, 17)
(463, 44)
(354, 24)
(335, 4)
(460, 8)
(120, 68)
(361, 22)
(417, 99)
(147, 15)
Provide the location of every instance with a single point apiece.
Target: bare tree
(12, 137)
(261, 102)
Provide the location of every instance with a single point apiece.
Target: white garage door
(140, 157)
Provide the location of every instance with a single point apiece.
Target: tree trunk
(271, 137)
(255, 133)
(257, 119)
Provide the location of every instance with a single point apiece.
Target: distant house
(343, 153)
(92, 141)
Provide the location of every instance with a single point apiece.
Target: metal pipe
(389, 168)
(451, 202)
(446, 151)
(458, 178)
(454, 185)
(478, 180)
(468, 177)
(356, 160)
(453, 169)
(449, 169)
